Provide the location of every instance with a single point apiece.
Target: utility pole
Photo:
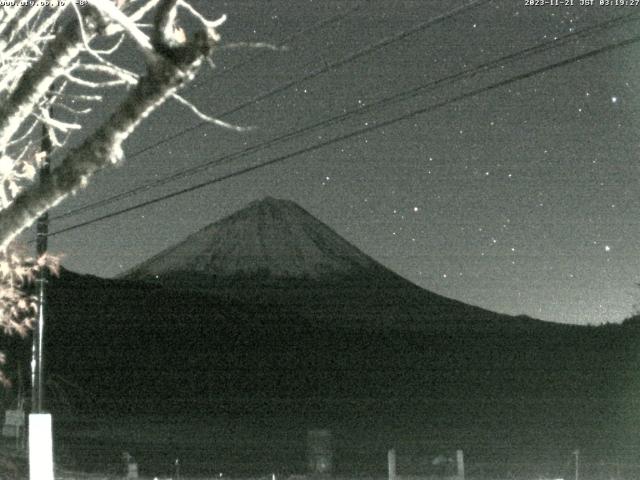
(577, 455)
(40, 423)
(42, 231)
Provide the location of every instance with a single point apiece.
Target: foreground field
(261, 447)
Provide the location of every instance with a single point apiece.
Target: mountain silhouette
(277, 258)
(269, 313)
(270, 237)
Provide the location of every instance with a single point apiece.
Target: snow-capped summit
(269, 238)
(277, 257)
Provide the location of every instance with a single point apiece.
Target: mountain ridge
(182, 340)
(270, 236)
(274, 253)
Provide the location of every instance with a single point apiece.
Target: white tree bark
(36, 80)
(170, 66)
(33, 57)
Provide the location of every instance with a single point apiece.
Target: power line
(319, 71)
(414, 113)
(218, 73)
(337, 64)
(401, 96)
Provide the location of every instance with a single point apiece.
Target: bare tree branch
(127, 24)
(169, 72)
(208, 118)
(42, 65)
(35, 82)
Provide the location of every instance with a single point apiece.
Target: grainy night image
(315, 239)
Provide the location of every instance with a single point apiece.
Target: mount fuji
(275, 253)
(269, 238)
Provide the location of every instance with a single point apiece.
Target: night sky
(522, 198)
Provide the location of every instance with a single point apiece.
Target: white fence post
(391, 461)
(460, 463)
(40, 447)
